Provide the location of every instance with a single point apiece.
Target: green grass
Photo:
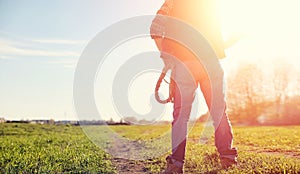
(44, 148)
(26, 148)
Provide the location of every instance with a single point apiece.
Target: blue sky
(41, 42)
(74, 20)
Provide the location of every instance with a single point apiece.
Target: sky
(41, 42)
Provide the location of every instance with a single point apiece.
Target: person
(188, 72)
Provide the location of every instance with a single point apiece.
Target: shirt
(200, 14)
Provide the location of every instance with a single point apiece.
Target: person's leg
(223, 130)
(183, 99)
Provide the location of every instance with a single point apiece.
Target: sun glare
(259, 16)
(266, 29)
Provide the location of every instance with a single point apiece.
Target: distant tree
(111, 121)
(244, 93)
(131, 120)
(144, 122)
(264, 96)
(292, 111)
(281, 74)
(296, 90)
(51, 121)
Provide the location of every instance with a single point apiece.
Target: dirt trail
(128, 156)
(269, 152)
(125, 166)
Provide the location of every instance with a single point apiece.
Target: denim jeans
(188, 75)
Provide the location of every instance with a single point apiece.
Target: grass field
(26, 148)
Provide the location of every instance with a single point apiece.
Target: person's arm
(157, 28)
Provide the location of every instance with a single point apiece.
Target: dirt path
(129, 166)
(269, 152)
(126, 166)
(131, 156)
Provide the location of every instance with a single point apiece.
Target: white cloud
(6, 57)
(11, 48)
(67, 63)
(59, 41)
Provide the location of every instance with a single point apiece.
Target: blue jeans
(188, 75)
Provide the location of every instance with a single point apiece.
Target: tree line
(267, 95)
